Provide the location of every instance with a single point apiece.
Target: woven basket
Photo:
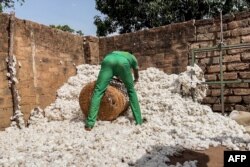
(113, 103)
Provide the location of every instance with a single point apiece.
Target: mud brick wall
(5, 94)
(235, 64)
(164, 47)
(46, 58)
(168, 48)
(91, 49)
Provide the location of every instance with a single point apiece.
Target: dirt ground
(212, 157)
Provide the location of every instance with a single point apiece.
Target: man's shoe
(88, 128)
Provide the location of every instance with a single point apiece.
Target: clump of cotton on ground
(56, 135)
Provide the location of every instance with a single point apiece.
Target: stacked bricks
(235, 63)
(46, 58)
(167, 48)
(163, 47)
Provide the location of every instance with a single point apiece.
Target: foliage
(79, 32)
(67, 29)
(9, 3)
(63, 28)
(131, 15)
(1, 8)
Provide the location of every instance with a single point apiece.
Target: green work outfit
(116, 63)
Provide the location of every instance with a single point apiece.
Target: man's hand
(136, 75)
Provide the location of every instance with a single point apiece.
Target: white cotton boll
(19, 64)
(14, 58)
(189, 83)
(228, 142)
(9, 83)
(17, 119)
(21, 148)
(13, 70)
(8, 74)
(190, 163)
(19, 98)
(21, 122)
(37, 116)
(53, 114)
(178, 164)
(15, 80)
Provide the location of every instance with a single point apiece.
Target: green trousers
(113, 65)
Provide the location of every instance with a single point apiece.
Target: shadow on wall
(160, 156)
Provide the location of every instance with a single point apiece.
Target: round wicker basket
(113, 103)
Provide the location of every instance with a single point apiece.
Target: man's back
(131, 58)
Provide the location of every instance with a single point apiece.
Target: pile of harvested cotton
(190, 83)
(173, 123)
